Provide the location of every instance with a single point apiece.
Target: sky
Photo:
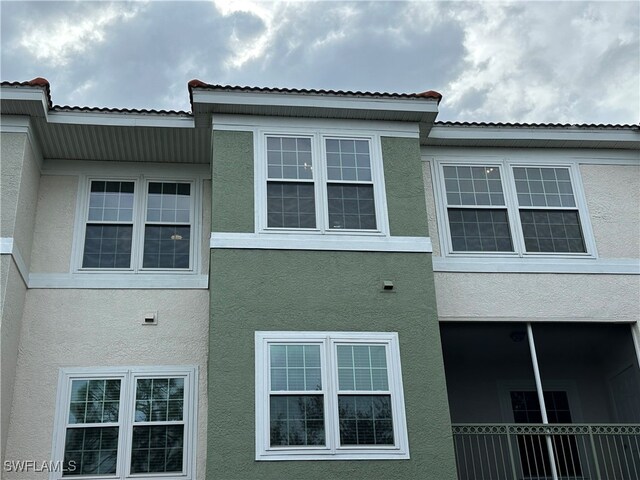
(521, 61)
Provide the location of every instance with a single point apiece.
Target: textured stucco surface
(323, 291)
(613, 200)
(538, 296)
(12, 302)
(54, 224)
(404, 187)
(232, 182)
(84, 328)
(12, 150)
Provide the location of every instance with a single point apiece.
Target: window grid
(344, 421)
(542, 212)
(155, 424)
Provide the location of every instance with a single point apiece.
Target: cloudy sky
(575, 62)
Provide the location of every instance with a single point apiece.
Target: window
(322, 184)
(511, 208)
(329, 396)
(122, 422)
(138, 224)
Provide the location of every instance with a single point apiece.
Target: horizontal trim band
(617, 319)
(286, 241)
(489, 264)
(118, 281)
(8, 247)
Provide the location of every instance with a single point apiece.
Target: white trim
(9, 247)
(500, 264)
(524, 320)
(26, 93)
(228, 122)
(125, 423)
(537, 155)
(298, 241)
(122, 119)
(332, 449)
(106, 169)
(443, 132)
(310, 100)
(144, 281)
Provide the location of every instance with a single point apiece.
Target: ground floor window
(121, 422)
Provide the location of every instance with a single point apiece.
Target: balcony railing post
(511, 458)
(596, 465)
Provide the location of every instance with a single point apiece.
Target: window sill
(118, 280)
(381, 455)
(299, 241)
(501, 264)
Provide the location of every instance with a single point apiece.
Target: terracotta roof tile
(36, 82)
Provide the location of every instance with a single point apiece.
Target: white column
(543, 406)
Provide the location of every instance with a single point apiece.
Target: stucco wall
(538, 296)
(323, 291)
(11, 307)
(613, 200)
(12, 150)
(78, 328)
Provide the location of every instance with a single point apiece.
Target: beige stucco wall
(613, 200)
(13, 295)
(85, 328)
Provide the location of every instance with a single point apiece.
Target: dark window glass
(557, 231)
(166, 246)
(297, 420)
(365, 420)
(291, 205)
(351, 207)
(107, 246)
(157, 449)
(485, 230)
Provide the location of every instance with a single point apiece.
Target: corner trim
(286, 241)
(491, 264)
(8, 247)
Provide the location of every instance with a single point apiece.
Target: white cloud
(58, 40)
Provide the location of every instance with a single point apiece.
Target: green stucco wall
(404, 187)
(232, 182)
(323, 291)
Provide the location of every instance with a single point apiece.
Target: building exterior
(315, 284)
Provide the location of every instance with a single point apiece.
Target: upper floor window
(322, 183)
(138, 224)
(513, 208)
(329, 395)
(122, 422)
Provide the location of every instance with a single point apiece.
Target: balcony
(526, 451)
(552, 401)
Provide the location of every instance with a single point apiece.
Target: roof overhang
(534, 137)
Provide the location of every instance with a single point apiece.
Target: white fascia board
(121, 119)
(524, 133)
(15, 123)
(314, 100)
(26, 94)
(288, 241)
(105, 168)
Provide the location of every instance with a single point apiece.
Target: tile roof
(430, 94)
(36, 82)
(616, 126)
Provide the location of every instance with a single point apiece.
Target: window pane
(351, 207)
(169, 202)
(111, 201)
(157, 449)
(362, 367)
(107, 246)
(297, 420)
(557, 231)
(544, 187)
(291, 205)
(479, 185)
(484, 230)
(93, 451)
(159, 399)
(295, 367)
(343, 156)
(166, 246)
(289, 158)
(365, 420)
(94, 401)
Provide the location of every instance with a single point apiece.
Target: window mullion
(320, 178)
(513, 209)
(332, 422)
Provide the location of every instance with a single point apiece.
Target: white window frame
(128, 377)
(318, 138)
(512, 206)
(332, 450)
(141, 185)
